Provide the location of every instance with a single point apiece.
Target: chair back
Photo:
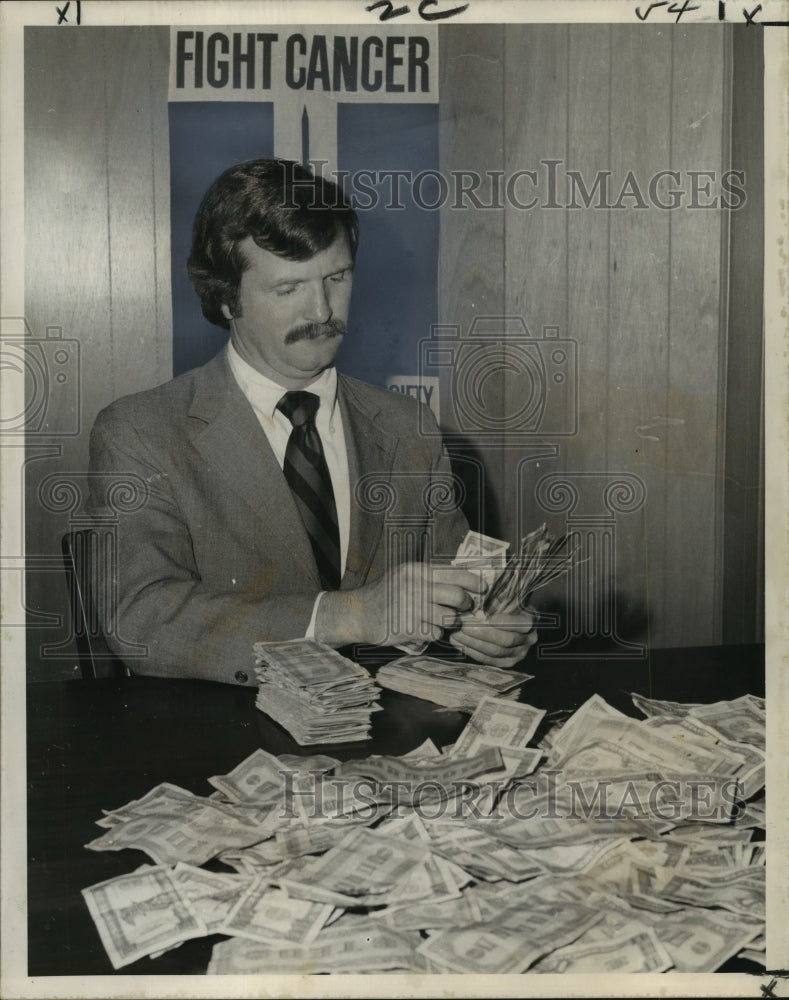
(81, 558)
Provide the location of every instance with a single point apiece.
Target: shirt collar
(264, 393)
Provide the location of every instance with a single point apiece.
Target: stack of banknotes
(460, 686)
(315, 693)
(612, 845)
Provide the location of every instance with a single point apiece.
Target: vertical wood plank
(136, 125)
(66, 232)
(696, 350)
(471, 264)
(743, 535)
(639, 272)
(535, 238)
(588, 236)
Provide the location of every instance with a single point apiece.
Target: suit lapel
(232, 441)
(371, 449)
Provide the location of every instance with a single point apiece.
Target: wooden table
(95, 745)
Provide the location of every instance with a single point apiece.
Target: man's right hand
(410, 602)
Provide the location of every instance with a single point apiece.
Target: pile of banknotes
(460, 686)
(614, 844)
(315, 693)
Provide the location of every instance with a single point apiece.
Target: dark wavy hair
(281, 205)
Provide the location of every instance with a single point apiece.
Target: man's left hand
(500, 640)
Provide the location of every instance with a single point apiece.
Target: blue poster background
(205, 139)
(395, 293)
(395, 283)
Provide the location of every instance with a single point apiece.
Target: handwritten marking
(750, 17)
(63, 11)
(438, 15)
(767, 991)
(650, 8)
(679, 11)
(389, 10)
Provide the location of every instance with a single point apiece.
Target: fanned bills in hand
(313, 692)
(455, 685)
(540, 559)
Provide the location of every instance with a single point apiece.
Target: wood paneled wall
(97, 261)
(668, 343)
(644, 292)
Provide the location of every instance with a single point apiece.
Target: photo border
(14, 16)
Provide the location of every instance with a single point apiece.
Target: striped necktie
(308, 476)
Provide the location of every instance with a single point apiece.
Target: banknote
(196, 832)
(269, 914)
(430, 879)
(516, 937)
(496, 723)
(362, 867)
(348, 947)
(159, 797)
(425, 749)
(742, 892)
(573, 857)
(258, 778)
(575, 729)
(310, 838)
(253, 860)
(309, 664)
(141, 913)
(645, 743)
(311, 763)
(211, 895)
(638, 952)
(455, 685)
(483, 855)
(434, 914)
(699, 940)
(480, 949)
(741, 719)
(442, 771)
(484, 556)
(477, 545)
(754, 955)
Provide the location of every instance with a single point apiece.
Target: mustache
(311, 331)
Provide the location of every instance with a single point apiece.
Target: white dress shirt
(263, 395)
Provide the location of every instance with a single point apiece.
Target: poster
(581, 183)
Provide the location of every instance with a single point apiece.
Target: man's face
(292, 314)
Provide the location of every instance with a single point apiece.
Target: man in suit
(260, 483)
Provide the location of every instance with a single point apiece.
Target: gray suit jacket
(212, 555)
